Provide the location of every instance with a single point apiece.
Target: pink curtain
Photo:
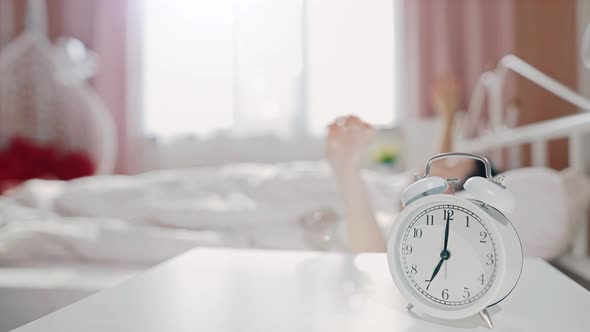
(102, 27)
(458, 37)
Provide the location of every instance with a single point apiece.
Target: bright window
(258, 67)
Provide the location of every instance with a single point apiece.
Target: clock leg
(410, 306)
(485, 317)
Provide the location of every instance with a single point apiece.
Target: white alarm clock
(453, 257)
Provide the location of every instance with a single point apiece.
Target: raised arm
(346, 145)
(446, 98)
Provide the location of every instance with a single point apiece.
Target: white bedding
(236, 195)
(144, 219)
(147, 218)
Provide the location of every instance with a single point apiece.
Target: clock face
(448, 254)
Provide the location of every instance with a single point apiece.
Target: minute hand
(447, 234)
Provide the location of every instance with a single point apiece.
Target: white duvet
(147, 218)
(144, 219)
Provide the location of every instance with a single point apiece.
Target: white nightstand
(237, 290)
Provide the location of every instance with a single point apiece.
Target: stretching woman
(346, 145)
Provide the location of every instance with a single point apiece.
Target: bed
(504, 143)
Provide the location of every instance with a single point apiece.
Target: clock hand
(444, 254)
(436, 269)
(447, 234)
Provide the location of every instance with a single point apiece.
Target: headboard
(504, 143)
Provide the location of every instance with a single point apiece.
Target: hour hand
(435, 272)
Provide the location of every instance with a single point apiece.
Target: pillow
(549, 207)
(577, 186)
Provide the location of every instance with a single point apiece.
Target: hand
(446, 96)
(347, 141)
(444, 254)
(446, 234)
(436, 269)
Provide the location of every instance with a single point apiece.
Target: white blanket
(97, 240)
(246, 194)
(147, 218)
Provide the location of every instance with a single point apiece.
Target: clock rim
(396, 270)
(516, 261)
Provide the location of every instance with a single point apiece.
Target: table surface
(239, 290)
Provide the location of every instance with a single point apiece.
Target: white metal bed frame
(500, 135)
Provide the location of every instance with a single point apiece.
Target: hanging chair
(45, 97)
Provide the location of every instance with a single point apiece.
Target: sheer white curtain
(265, 68)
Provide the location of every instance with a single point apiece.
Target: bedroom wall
(546, 37)
(583, 20)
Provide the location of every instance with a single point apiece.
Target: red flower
(74, 165)
(25, 159)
